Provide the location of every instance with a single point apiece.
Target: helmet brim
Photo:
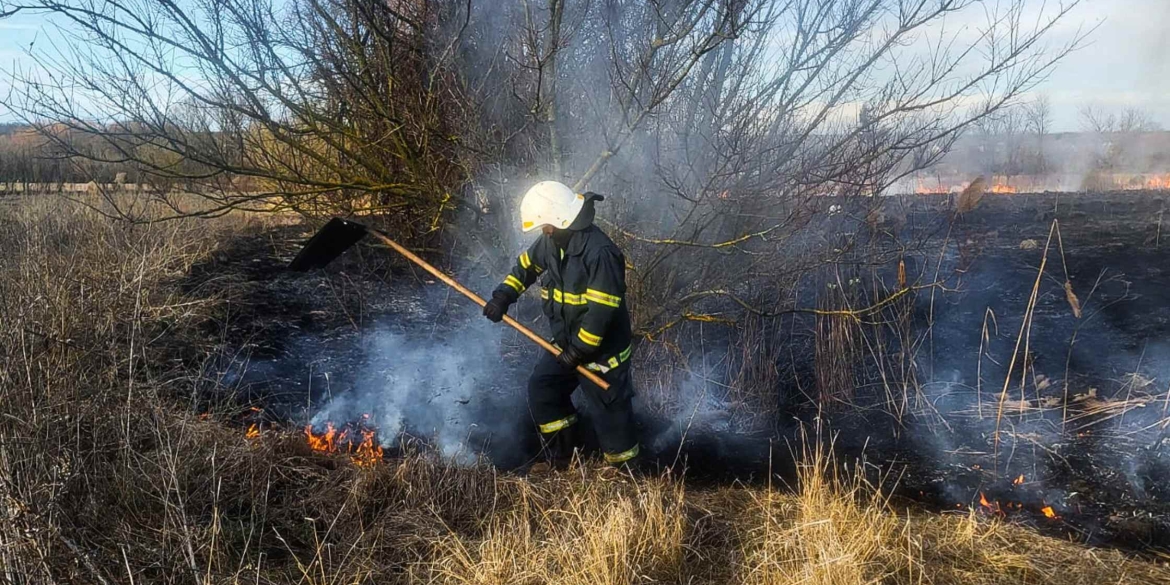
(574, 210)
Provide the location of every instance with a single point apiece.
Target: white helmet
(550, 203)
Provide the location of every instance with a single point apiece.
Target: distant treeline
(30, 156)
(56, 155)
(27, 156)
(1015, 154)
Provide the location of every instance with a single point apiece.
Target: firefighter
(583, 287)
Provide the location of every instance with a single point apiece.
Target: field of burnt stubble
(1045, 366)
(156, 381)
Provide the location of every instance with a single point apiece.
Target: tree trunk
(556, 12)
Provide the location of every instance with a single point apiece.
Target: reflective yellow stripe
(514, 282)
(589, 338)
(556, 425)
(562, 297)
(602, 298)
(612, 362)
(623, 456)
(525, 263)
(621, 358)
(568, 298)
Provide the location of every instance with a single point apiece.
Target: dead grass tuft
(576, 529)
(971, 196)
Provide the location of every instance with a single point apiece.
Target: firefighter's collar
(577, 243)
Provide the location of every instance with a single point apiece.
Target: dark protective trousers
(549, 398)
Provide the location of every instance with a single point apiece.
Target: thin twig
(1019, 338)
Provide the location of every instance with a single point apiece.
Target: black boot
(560, 446)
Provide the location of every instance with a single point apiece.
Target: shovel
(339, 235)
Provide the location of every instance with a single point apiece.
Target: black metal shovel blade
(336, 237)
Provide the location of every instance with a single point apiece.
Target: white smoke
(442, 387)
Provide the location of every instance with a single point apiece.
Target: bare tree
(830, 111)
(1000, 141)
(1097, 120)
(1135, 120)
(1115, 133)
(1131, 120)
(1039, 121)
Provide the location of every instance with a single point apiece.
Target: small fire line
(358, 440)
(1001, 509)
(364, 451)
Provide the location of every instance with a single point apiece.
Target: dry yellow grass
(832, 531)
(584, 526)
(593, 534)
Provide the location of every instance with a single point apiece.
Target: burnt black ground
(1106, 477)
(288, 342)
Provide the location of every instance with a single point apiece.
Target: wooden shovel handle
(593, 377)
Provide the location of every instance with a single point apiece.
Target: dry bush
(322, 107)
(755, 377)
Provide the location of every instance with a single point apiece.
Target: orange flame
(365, 453)
(936, 189)
(1019, 480)
(1048, 511)
(253, 431)
(323, 442)
(999, 184)
(1158, 182)
(994, 508)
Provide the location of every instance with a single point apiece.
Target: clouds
(1125, 63)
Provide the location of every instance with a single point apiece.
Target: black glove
(570, 357)
(496, 308)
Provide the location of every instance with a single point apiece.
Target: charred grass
(113, 471)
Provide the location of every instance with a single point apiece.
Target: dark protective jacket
(583, 291)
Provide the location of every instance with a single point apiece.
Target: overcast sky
(1126, 63)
